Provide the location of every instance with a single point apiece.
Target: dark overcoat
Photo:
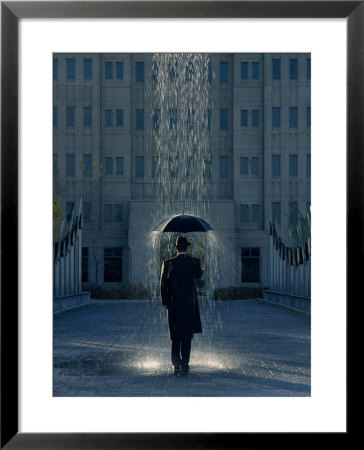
(179, 294)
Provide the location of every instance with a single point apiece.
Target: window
(108, 117)
(108, 165)
(293, 117)
(224, 119)
(293, 213)
(87, 69)
(107, 212)
(87, 212)
(244, 70)
(84, 264)
(308, 69)
(70, 206)
(139, 119)
(244, 161)
(255, 213)
(70, 69)
(172, 119)
(70, 116)
(276, 117)
(255, 70)
(276, 69)
(119, 165)
(154, 166)
(250, 265)
(293, 69)
(118, 213)
(113, 265)
(108, 71)
(255, 165)
(55, 68)
(156, 119)
(207, 168)
(119, 118)
(172, 69)
(119, 70)
(139, 72)
(224, 72)
(244, 118)
(308, 165)
(55, 116)
(276, 212)
(276, 165)
(293, 165)
(308, 117)
(224, 166)
(244, 214)
(87, 116)
(139, 166)
(209, 115)
(190, 72)
(87, 165)
(155, 73)
(70, 165)
(255, 118)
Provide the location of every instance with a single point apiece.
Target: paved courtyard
(121, 348)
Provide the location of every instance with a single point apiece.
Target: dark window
(308, 116)
(55, 68)
(244, 214)
(276, 212)
(276, 165)
(70, 67)
(55, 116)
(108, 117)
(224, 119)
(224, 72)
(250, 265)
(119, 70)
(255, 165)
(118, 213)
(70, 206)
(70, 116)
(276, 69)
(156, 119)
(172, 69)
(70, 165)
(308, 165)
(87, 69)
(276, 117)
(293, 165)
(119, 165)
(255, 118)
(84, 264)
(244, 70)
(107, 212)
(139, 166)
(87, 212)
(119, 118)
(190, 72)
(108, 71)
(243, 118)
(293, 117)
(255, 213)
(108, 165)
(224, 166)
(244, 165)
(87, 116)
(308, 69)
(139, 72)
(255, 70)
(155, 73)
(293, 69)
(113, 265)
(209, 115)
(293, 213)
(87, 161)
(139, 119)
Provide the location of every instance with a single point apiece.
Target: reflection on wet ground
(121, 348)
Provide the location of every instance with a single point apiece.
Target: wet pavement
(121, 348)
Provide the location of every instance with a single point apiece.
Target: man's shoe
(184, 369)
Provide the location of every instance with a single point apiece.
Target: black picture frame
(11, 12)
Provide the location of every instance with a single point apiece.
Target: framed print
(62, 423)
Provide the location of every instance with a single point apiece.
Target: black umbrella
(183, 223)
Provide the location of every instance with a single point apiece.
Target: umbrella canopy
(183, 223)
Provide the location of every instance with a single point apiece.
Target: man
(179, 297)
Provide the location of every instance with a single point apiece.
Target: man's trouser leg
(176, 352)
(185, 353)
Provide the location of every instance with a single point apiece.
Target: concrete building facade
(260, 166)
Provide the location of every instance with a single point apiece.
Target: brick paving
(121, 348)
